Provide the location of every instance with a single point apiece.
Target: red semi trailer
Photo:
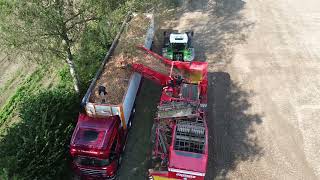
(109, 104)
(101, 132)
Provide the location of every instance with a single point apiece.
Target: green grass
(35, 147)
(17, 75)
(28, 86)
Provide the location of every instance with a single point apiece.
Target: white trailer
(124, 109)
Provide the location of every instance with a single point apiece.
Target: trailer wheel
(120, 161)
(129, 124)
(131, 117)
(75, 177)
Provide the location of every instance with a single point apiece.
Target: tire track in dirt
(218, 27)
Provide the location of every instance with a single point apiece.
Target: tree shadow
(231, 132)
(218, 25)
(36, 145)
(221, 28)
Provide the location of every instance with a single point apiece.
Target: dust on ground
(263, 90)
(263, 85)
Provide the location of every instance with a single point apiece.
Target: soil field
(263, 85)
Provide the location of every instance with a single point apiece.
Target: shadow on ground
(226, 28)
(219, 26)
(231, 133)
(136, 158)
(36, 145)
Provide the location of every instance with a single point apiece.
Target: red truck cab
(96, 146)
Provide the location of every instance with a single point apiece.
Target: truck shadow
(231, 132)
(136, 158)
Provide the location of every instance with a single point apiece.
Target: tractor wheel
(165, 34)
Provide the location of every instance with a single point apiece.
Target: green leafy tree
(36, 148)
(50, 28)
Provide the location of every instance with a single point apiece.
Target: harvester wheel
(153, 133)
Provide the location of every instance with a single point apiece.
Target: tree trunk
(67, 41)
(73, 73)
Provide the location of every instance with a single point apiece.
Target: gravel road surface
(264, 58)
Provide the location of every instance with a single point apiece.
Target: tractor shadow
(231, 133)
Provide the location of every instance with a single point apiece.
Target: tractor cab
(177, 46)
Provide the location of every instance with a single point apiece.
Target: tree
(36, 147)
(50, 29)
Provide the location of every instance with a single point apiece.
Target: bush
(37, 147)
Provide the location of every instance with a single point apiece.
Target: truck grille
(93, 172)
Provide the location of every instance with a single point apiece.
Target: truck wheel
(129, 124)
(124, 147)
(131, 117)
(153, 133)
(76, 177)
(120, 160)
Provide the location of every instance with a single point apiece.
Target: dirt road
(264, 93)
(264, 58)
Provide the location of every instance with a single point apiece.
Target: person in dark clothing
(102, 93)
(179, 80)
(171, 83)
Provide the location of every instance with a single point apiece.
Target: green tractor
(177, 46)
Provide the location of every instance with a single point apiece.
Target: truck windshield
(90, 161)
(90, 135)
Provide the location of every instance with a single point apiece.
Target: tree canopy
(51, 29)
